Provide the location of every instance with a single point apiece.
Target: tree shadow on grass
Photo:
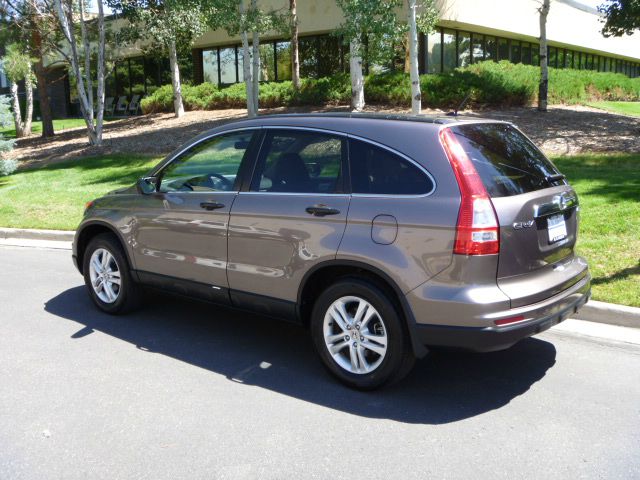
(444, 387)
(620, 275)
(615, 177)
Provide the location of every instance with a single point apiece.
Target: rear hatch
(537, 212)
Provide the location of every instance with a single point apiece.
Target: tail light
(477, 230)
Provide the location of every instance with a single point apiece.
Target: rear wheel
(107, 276)
(359, 335)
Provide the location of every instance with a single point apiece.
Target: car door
(180, 233)
(292, 217)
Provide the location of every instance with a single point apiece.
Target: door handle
(322, 210)
(211, 205)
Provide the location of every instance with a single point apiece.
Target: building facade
(468, 31)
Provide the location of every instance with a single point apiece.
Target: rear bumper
(538, 317)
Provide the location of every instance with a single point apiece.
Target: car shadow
(444, 387)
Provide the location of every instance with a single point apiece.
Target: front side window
(210, 166)
(376, 171)
(298, 161)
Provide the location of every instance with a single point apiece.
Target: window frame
(245, 164)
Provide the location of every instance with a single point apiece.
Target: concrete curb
(29, 234)
(593, 311)
(609, 313)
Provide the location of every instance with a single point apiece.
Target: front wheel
(107, 276)
(359, 335)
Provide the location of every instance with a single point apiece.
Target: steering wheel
(216, 177)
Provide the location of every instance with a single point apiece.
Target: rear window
(507, 161)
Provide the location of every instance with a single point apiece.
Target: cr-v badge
(521, 225)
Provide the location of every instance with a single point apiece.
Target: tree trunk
(246, 66)
(355, 71)
(256, 62)
(295, 56)
(416, 96)
(544, 68)
(28, 84)
(69, 33)
(41, 82)
(178, 107)
(100, 71)
(15, 105)
(256, 73)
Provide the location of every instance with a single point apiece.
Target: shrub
(489, 84)
(8, 166)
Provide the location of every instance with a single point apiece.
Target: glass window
(477, 48)
(553, 57)
(228, 65)
(490, 47)
(375, 170)
(328, 52)
(434, 52)
(267, 63)
(568, 59)
(507, 161)
(503, 49)
(137, 76)
(299, 162)
(210, 166)
(516, 54)
(526, 53)
(308, 53)
(535, 54)
(464, 49)
(210, 66)
(241, 62)
(283, 53)
(122, 78)
(449, 50)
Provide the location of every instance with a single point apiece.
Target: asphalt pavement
(183, 389)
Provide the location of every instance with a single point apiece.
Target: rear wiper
(554, 178)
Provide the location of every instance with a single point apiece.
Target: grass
(58, 126)
(54, 196)
(608, 186)
(624, 108)
(609, 236)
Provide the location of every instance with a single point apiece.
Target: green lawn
(609, 191)
(608, 186)
(624, 108)
(58, 126)
(55, 196)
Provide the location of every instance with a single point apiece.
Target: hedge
(490, 84)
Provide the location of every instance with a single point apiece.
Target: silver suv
(385, 235)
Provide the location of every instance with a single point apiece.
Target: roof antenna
(461, 106)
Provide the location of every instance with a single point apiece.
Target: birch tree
(165, 27)
(372, 21)
(543, 87)
(295, 55)
(17, 66)
(422, 16)
(250, 21)
(72, 18)
(33, 24)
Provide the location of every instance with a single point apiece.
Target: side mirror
(147, 185)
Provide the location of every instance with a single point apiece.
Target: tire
(364, 363)
(108, 296)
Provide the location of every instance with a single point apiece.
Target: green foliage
(491, 85)
(17, 64)
(622, 17)
(8, 166)
(373, 20)
(6, 118)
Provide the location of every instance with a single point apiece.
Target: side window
(210, 166)
(377, 171)
(297, 161)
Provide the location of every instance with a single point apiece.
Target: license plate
(557, 228)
